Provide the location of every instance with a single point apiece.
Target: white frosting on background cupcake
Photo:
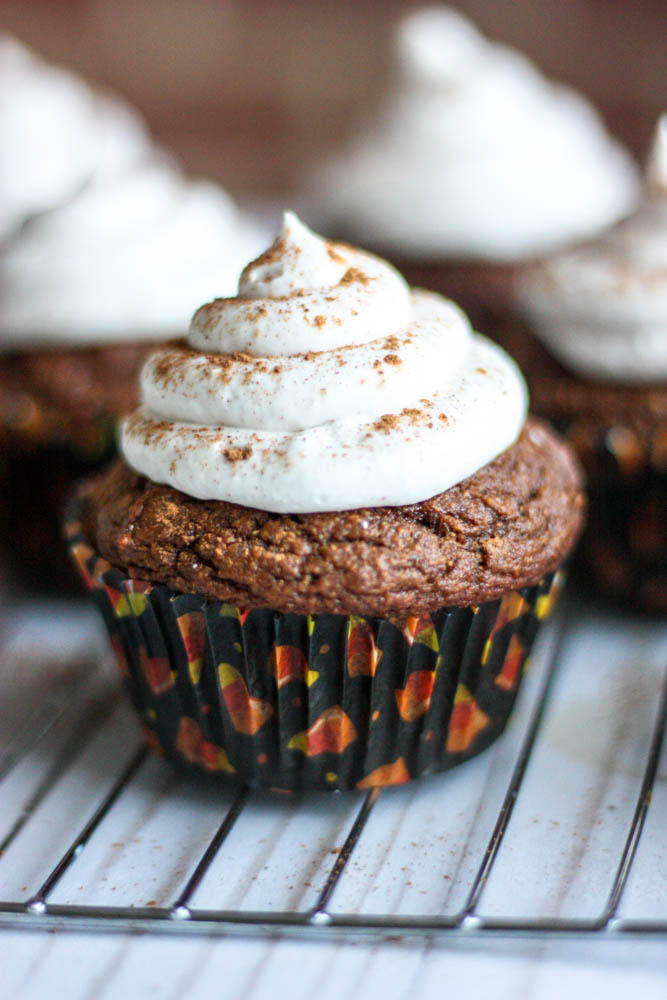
(104, 237)
(327, 385)
(56, 133)
(601, 309)
(475, 155)
(131, 256)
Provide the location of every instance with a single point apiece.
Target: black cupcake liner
(622, 555)
(292, 701)
(623, 552)
(36, 480)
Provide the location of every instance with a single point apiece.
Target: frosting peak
(438, 44)
(297, 260)
(475, 155)
(305, 294)
(351, 391)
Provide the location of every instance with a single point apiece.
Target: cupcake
(107, 250)
(594, 349)
(473, 165)
(325, 553)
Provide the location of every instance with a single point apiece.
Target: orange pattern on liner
(514, 656)
(414, 699)
(247, 713)
(388, 774)
(363, 654)
(332, 732)
(467, 720)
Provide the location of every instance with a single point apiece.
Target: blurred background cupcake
(107, 247)
(473, 165)
(598, 370)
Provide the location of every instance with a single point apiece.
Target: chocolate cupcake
(324, 558)
(598, 370)
(473, 166)
(106, 249)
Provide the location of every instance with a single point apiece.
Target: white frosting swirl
(130, 257)
(601, 309)
(475, 155)
(341, 402)
(55, 134)
(105, 239)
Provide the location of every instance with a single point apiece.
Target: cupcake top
(475, 155)
(601, 309)
(105, 239)
(325, 384)
(55, 134)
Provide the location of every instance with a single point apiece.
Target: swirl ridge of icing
(285, 303)
(601, 308)
(342, 403)
(474, 154)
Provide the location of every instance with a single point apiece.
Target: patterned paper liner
(290, 702)
(36, 483)
(622, 554)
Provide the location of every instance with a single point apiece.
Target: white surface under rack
(556, 832)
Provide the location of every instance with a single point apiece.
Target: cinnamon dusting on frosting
(334, 255)
(387, 422)
(237, 454)
(352, 423)
(354, 275)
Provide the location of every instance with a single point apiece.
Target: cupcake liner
(623, 551)
(292, 701)
(36, 482)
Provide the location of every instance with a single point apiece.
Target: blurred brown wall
(245, 90)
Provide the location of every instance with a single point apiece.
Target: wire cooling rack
(547, 833)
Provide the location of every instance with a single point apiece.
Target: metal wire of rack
(38, 911)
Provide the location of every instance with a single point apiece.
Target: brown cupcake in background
(58, 414)
(106, 249)
(592, 345)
